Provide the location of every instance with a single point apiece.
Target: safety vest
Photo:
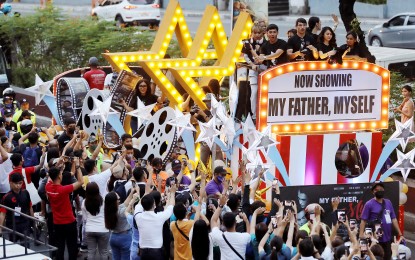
(19, 112)
(99, 160)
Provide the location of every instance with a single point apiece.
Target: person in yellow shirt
(24, 106)
(181, 229)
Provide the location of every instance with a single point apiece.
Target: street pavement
(193, 19)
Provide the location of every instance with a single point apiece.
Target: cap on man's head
(376, 184)
(26, 122)
(93, 61)
(16, 177)
(92, 139)
(220, 170)
(176, 164)
(23, 101)
(8, 112)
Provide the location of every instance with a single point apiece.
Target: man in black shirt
(273, 52)
(301, 46)
(66, 136)
(19, 200)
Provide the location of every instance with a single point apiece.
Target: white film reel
(158, 138)
(92, 124)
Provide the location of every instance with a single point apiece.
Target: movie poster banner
(352, 198)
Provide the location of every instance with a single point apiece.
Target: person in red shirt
(95, 77)
(63, 218)
(17, 161)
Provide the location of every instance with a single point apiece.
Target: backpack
(30, 157)
(119, 188)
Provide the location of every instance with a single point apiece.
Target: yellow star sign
(225, 65)
(173, 22)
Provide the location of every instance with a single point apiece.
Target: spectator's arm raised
(24, 137)
(42, 159)
(79, 178)
(3, 153)
(214, 220)
(258, 211)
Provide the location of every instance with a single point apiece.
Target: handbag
(181, 232)
(30, 187)
(231, 247)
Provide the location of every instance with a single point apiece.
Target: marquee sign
(320, 97)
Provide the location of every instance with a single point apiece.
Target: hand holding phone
(341, 216)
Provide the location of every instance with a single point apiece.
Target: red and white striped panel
(310, 159)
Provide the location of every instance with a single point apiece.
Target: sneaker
(84, 248)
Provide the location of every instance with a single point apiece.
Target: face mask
(176, 172)
(71, 130)
(8, 105)
(220, 179)
(8, 119)
(129, 156)
(380, 194)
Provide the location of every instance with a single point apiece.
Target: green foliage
(374, 2)
(49, 43)
(396, 82)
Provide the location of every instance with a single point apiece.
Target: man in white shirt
(306, 249)
(6, 166)
(232, 244)
(150, 225)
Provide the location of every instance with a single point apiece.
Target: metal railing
(25, 237)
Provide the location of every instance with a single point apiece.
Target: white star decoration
(228, 130)
(405, 163)
(218, 109)
(143, 112)
(182, 122)
(263, 140)
(41, 89)
(208, 132)
(403, 133)
(249, 130)
(103, 109)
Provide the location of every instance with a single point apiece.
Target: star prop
(208, 132)
(263, 141)
(250, 155)
(182, 122)
(228, 130)
(249, 130)
(143, 112)
(405, 163)
(41, 89)
(403, 133)
(103, 109)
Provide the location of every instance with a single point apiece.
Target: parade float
(318, 124)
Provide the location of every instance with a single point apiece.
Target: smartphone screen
(341, 215)
(352, 224)
(368, 231)
(402, 256)
(363, 245)
(274, 222)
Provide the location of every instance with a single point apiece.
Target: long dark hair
(332, 42)
(148, 91)
(214, 86)
(355, 36)
(276, 245)
(93, 200)
(200, 240)
(111, 210)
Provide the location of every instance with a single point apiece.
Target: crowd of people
(309, 41)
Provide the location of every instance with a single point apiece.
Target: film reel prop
(124, 89)
(91, 125)
(159, 138)
(70, 95)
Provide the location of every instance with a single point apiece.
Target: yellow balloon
(405, 188)
(389, 179)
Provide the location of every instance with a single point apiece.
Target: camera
(287, 206)
(194, 109)
(341, 216)
(247, 45)
(378, 230)
(363, 246)
(368, 231)
(352, 224)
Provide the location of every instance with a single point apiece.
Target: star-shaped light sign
(263, 141)
(103, 109)
(208, 132)
(143, 112)
(41, 89)
(403, 132)
(405, 163)
(182, 122)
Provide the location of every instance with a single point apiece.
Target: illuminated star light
(263, 141)
(208, 132)
(405, 163)
(403, 133)
(41, 89)
(143, 112)
(103, 109)
(182, 122)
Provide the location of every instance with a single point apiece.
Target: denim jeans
(134, 251)
(100, 240)
(120, 245)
